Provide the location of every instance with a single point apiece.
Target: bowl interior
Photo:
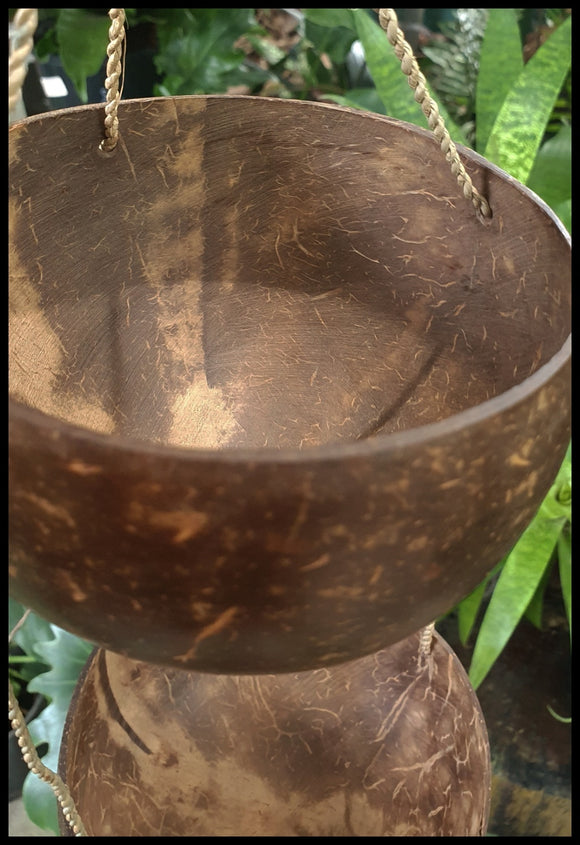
(246, 272)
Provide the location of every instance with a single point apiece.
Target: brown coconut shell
(278, 398)
(393, 744)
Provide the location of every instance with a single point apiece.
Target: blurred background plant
(475, 61)
(54, 660)
(502, 79)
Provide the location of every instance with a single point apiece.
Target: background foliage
(58, 659)
(502, 80)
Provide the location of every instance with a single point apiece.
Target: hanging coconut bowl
(393, 744)
(278, 397)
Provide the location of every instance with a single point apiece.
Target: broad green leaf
(330, 17)
(500, 63)
(391, 83)
(518, 130)
(46, 46)
(565, 569)
(197, 47)
(366, 99)
(67, 655)
(520, 577)
(334, 42)
(83, 39)
(551, 175)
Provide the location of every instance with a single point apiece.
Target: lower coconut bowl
(393, 744)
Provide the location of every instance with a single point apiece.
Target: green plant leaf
(34, 630)
(385, 69)
(366, 99)
(468, 608)
(24, 667)
(467, 611)
(565, 570)
(47, 45)
(67, 655)
(551, 174)
(197, 48)
(500, 63)
(390, 81)
(563, 211)
(566, 720)
(83, 38)
(520, 125)
(535, 610)
(560, 504)
(334, 42)
(330, 17)
(264, 48)
(520, 577)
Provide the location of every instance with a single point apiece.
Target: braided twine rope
(24, 23)
(115, 52)
(389, 22)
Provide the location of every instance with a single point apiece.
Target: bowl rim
(380, 443)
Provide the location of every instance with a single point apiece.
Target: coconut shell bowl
(278, 397)
(392, 744)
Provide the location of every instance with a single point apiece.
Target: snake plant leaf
(385, 70)
(390, 82)
(535, 609)
(393, 95)
(468, 608)
(500, 63)
(83, 38)
(522, 572)
(565, 567)
(520, 125)
(551, 174)
(467, 611)
(66, 655)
